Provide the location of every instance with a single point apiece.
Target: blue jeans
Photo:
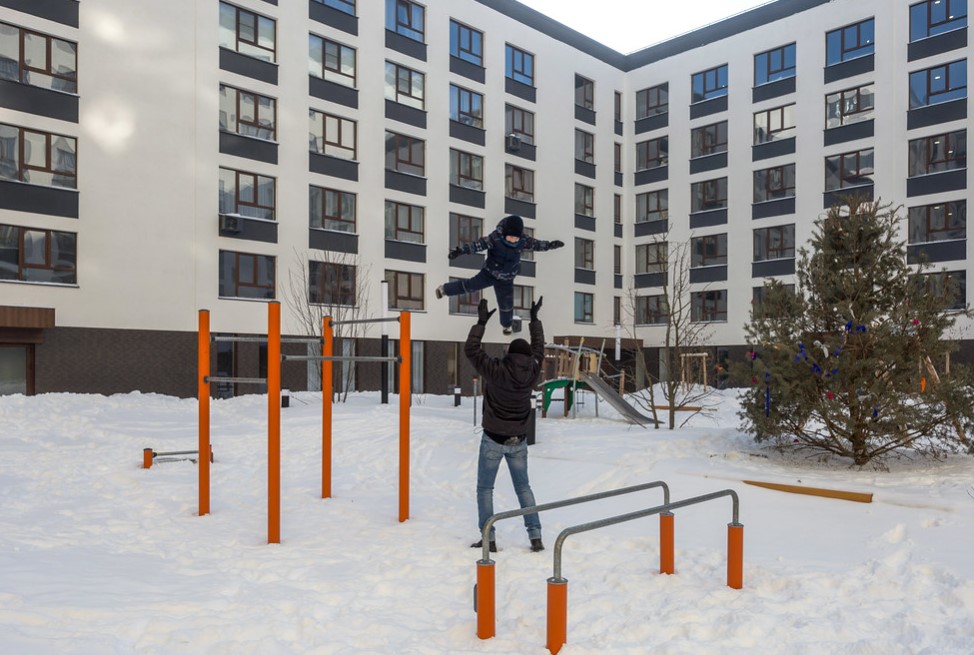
(491, 454)
(503, 290)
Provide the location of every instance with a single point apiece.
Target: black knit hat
(513, 226)
(519, 346)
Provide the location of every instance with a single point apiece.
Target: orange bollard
(557, 614)
(405, 398)
(273, 423)
(327, 347)
(486, 627)
(203, 402)
(666, 557)
(735, 555)
(147, 458)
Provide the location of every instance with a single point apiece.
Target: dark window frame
(520, 122)
(57, 267)
(584, 146)
(336, 221)
(463, 173)
(660, 199)
(932, 26)
(713, 83)
(652, 153)
(651, 310)
(407, 291)
(27, 73)
(709, 306)
(257, 260)
(334, 72)
(334, 145)
(518, 183)
(651, 257)
(519, 65)
(584, 200)
(334, 281)
(407, 19)
(850, 177)
(405, 222)
(584, 92)
(464, 44)
(766, 70)
(255, 41)
(413, 163)
(936, 91)
(461, 97)
(708, 139)
(708, 250)
(942, 221)
(854, 105)
(653, 101)
(251, 128)
(584, 254)
(938, 160)
(256, 208)
(775, 184)
(766, 248)
(587, 307)
(23, 169)
(707, 195)
(853, 41)
(777, 128)
(344, 6)
(402, 91)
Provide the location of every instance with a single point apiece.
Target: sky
(626, 25)
(99, 555)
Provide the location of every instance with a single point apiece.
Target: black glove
(482, 314)
(456, 252)
(535, 307)
(552, 245)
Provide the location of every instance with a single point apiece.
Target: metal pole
(327, 344)
(203, 403)
(273, 422)
(475, 392)
(405, 396)
(618, 342)
(384, 285)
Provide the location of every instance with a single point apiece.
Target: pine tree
(851, 361)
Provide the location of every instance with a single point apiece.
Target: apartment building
(158, 159)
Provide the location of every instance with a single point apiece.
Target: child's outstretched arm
(480, 245)
(540, 244)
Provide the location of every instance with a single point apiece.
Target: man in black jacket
(508, 388)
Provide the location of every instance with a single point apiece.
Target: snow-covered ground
(99, 556)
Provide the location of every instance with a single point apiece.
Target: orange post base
(735, 555)
(666, 557)
(485, 599)
(557, 614)
(147, 458)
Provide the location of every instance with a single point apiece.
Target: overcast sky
(628, 25)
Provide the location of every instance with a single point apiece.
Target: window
(938, 84)
(757, 296)
(774, 243)
(519, 183)
(616, 310)
(774, 65)
(523, 297)
(332, 135)
(651, 257)
(584, 307)
(617, 157)
(520, 122)
(331, 283)
(38, 59)
(849, 106)
(774, 183)
(652, 153)
(247, 194)
(406, 18)
(405, 154)
(246, 275)
(944, 221)
(466, 106)
(850, 169)
(584, 146)
(37, 157)
(584, 92)
(406, 290)
(465, 303)
(617, 260)
(934, 17)
(653, 101)
(708, 140)
(617, 208)
(774, 124)
(651, 310)
(465, 229)
(850, 42)
(936, 154)
(466, 170)
(709, 84)
(248, 33)
(466, 43)
(618, 106)
(519, 65)
(710, 250)
(652, 206)
(332, 61)
(528, 255)
(405, 86)
(332, 209)
(585, 254)
(34, 255)
(708, 306)
(711, 194)
(951, 285)
(584, 200)
(248, 114)
(404, 222)
(346, 6)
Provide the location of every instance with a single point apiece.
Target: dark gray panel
(463, 196)
(333, 166)
(650, 123)
(708, 274)
(248, 147)
(404, 114)
(59, 11)
(585, 115)
(272, 2)
(467, 69)
(250, 229)
(333, 17)
(618, 127)
(936, 183)
(651, 175)
(520, 207)
(583, 276)
(584, 168)
(521, 90)
(583, 222)
(334, 241)
(52, 201)
(409, 252)
(842, 196)
(708, 163)
(850, 68)
(773, 208)
(851, 132)
(524, 151)
(935, 45)
(943, 112)
(708, 218)
(404, 182)
(617, 281)
(644, 280)
(405, 45)
(650, 227)
(39, 101)
(332, 92)
(773, 149)
(708, 107)
(773, 90)
(470, 262)
(528, 269)
(619, 179)
(938, 251)
(235, 62)
(617, 231)
(468, 133)
(774, 267)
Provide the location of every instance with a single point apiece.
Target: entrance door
(14, 369)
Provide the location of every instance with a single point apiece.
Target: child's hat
(513, 226)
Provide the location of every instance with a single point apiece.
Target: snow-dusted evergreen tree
(852, 360)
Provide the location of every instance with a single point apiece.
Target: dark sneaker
(439, 291)
(492, 545)
(536, 545)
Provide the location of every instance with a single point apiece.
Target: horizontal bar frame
(226, 378)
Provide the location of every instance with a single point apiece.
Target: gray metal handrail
(565, 503)
(622, 518)
(341, 358)
(227, 378)
(353, 321)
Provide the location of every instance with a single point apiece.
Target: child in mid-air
(503, 246)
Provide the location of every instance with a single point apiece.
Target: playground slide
(610, 395)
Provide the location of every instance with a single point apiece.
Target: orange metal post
(666, 543)
(405, 397)
(486, 626)
(327, 347)
(147, 458)
(203, 403)
(735, 555)
(557, 614)
(273, 423)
